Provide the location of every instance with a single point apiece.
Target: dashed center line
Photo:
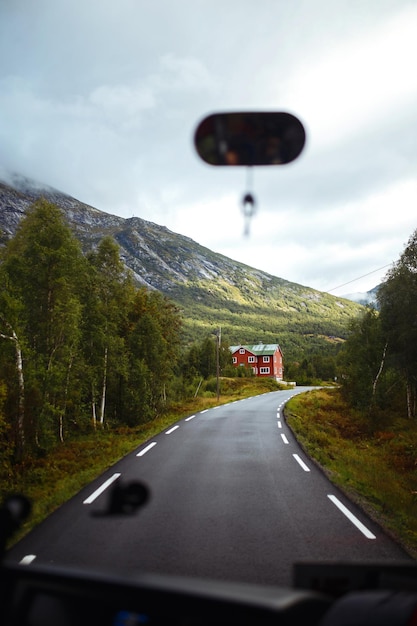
(301, 463)
(100, 490)
(187, 419)
(27, 560)
(279, 424)
(145, 450)
(284, 439)
(171, 430)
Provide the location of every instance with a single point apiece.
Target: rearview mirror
(249, 138)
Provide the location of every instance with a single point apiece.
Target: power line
(364, 276)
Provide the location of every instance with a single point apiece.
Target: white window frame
(265, 359)
(264, 370)
(251, 359)
(242, 351)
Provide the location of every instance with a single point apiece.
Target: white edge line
(284, 439)
(100, 490)
(301, 463)
(28, 559)
(145, 450)
(187, 419)
(171, 430)
(351, 517)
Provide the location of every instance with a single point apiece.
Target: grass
(377, 468)
(50, 481)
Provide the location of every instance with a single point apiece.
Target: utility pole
(218, 340)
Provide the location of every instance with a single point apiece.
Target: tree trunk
(21, 403)
(411, 399)
(64, 408)
(381, 367)
(20, 422)
(103, 393)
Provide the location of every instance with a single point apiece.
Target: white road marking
(352, 517)
(171, 430)
(27, 560)
(279, 424)
(205, 411)
(190, 418)
(100, 490)
(145, 450)
(301, 463)
(284, 439)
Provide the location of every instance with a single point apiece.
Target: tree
(152, 341)
(108, 297)
(201, 359)
(362, 359)
(10, 334)
(42, 267)
(397, 298)
(207, 365)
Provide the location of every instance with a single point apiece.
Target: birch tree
(110, 291)
(10, 334)
(397, 298)
(361, 360)
(44, 264)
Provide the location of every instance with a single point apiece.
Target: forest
(83, 347)
(377, 364)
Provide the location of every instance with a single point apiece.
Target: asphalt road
(233, 497)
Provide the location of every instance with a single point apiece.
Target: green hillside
(301, 320)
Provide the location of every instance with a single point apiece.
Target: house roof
(260, 349)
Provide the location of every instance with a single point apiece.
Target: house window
(235, 359)
(251, 359)
(264, 370)
(265, 359)
(242, 351)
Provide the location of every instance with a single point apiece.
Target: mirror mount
(249, 139)
(248, 209)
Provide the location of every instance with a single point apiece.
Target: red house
(264, 359)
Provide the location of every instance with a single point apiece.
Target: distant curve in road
(233, 497)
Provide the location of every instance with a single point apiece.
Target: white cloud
(355, 83)
(101, 99)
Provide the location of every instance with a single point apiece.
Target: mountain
(364, 297)
(210, 289)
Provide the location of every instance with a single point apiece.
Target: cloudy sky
(101, 99)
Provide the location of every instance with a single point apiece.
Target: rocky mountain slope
(211, 289)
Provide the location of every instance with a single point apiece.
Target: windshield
(208, 371)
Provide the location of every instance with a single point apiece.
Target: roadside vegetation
(91, 366)
(52, 479)
(375, 464)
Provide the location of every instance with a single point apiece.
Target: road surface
(233, 497)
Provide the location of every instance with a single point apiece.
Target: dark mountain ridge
(211, 290)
